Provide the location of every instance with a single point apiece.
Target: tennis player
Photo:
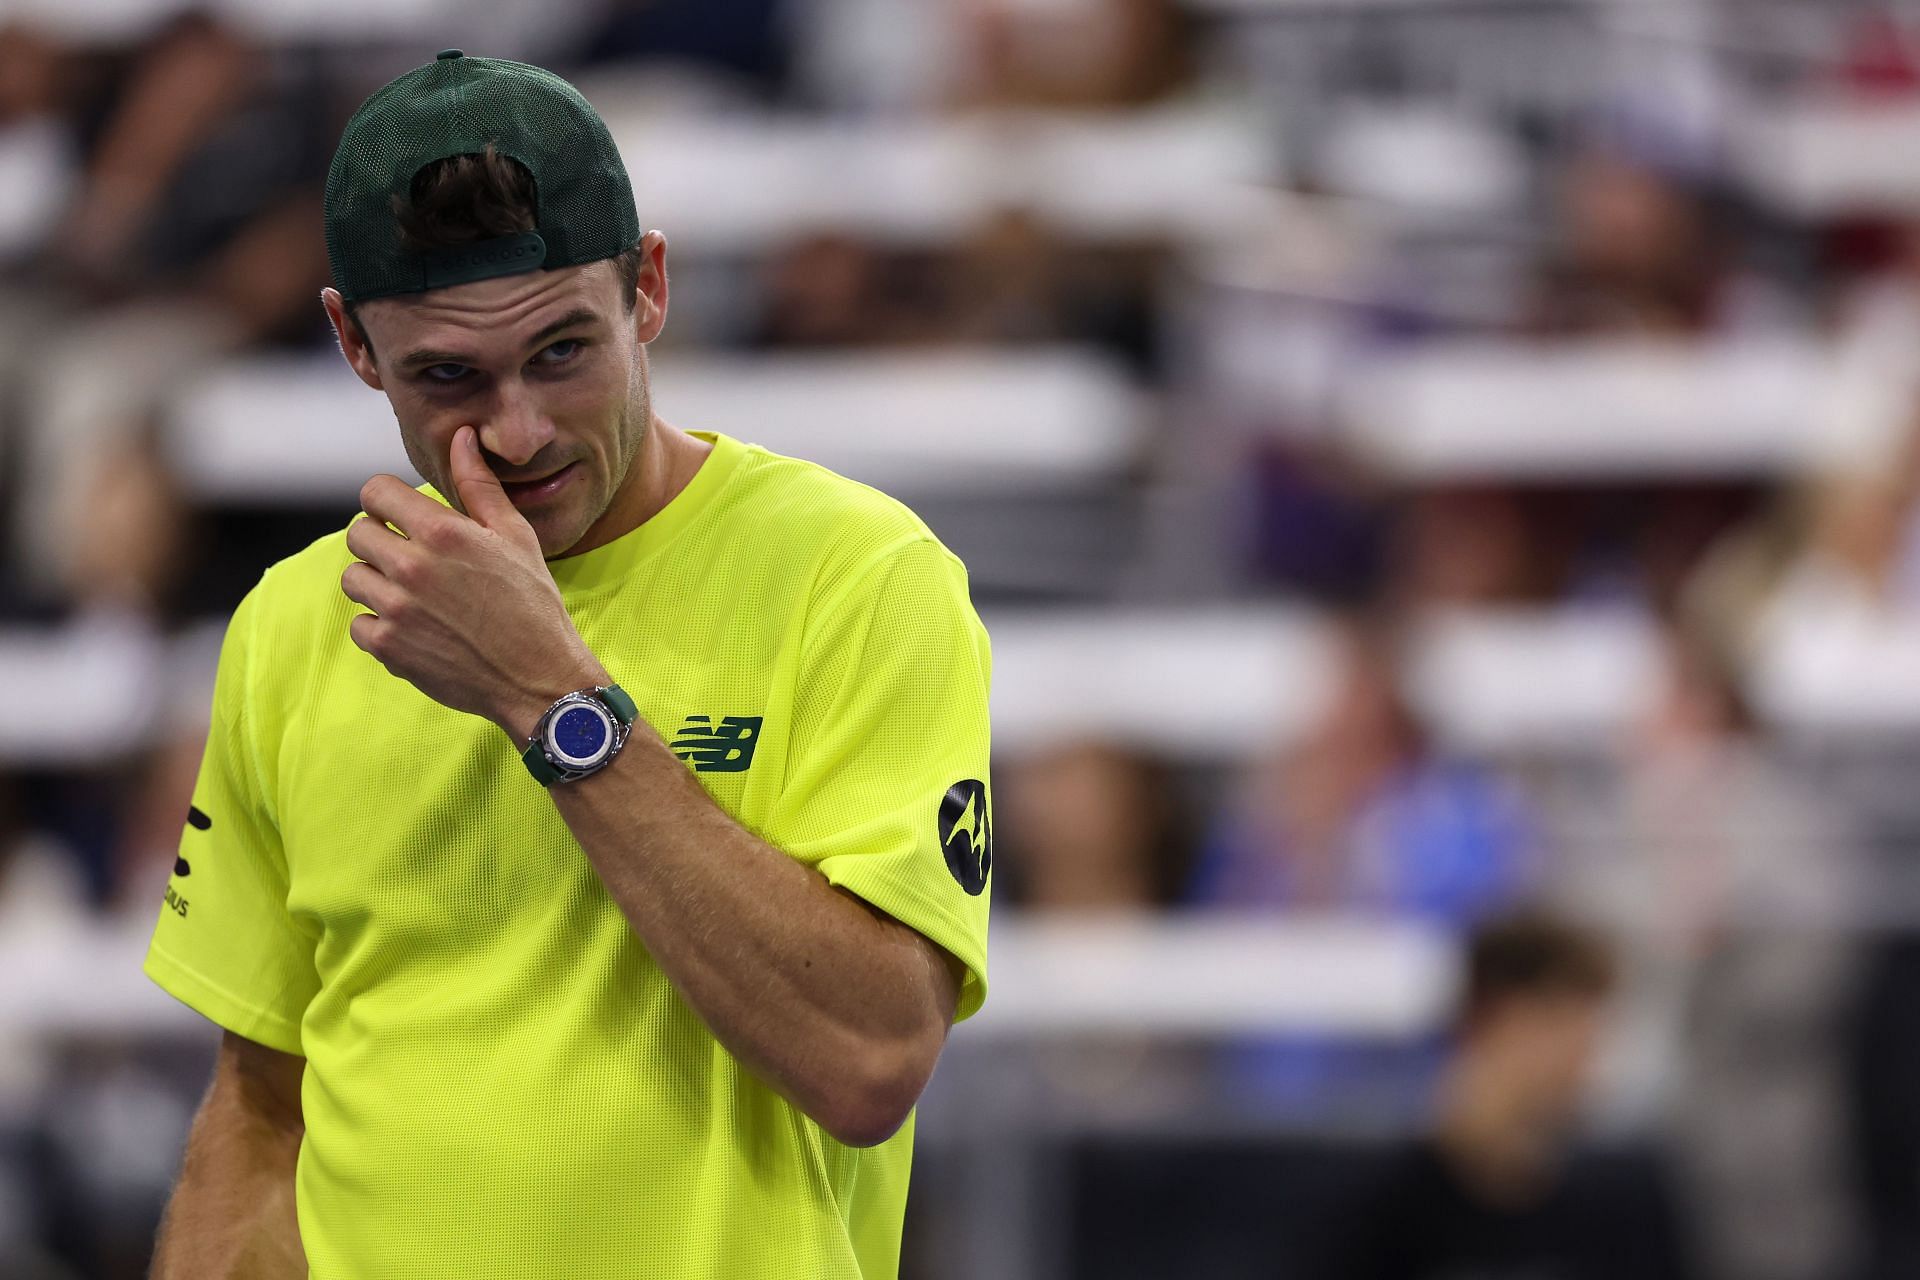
(592, 845)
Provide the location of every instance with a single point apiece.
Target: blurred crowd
(1723, 898)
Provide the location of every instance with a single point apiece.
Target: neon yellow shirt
(500, 1082)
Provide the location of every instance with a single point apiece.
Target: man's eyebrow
(577, 316)
(426, 357)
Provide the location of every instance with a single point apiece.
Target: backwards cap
(456, 105)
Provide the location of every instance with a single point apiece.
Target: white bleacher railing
(1598, 409)
(1052, 976)
(1204, 686)
(111, 21)
(1824, 157)
(743, 185)
(269, 429)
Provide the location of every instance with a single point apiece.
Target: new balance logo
(726, 747)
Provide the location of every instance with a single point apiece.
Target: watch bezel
(566, 768)
(558, 756)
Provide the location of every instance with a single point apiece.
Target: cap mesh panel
(457, 106)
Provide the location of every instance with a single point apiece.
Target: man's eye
(445, 372)
(561, 351)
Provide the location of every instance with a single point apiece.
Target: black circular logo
(966, 834)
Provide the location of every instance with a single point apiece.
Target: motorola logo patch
(966, 834)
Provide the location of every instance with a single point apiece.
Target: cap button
(448, 55)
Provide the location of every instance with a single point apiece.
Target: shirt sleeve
(226, 944)
(886, 788)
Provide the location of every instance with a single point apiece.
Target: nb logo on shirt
(726, 747)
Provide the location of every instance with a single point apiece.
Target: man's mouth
(522, 492)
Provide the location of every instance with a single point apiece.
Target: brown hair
(1533, 953)
(467, 198)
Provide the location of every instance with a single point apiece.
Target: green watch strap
(620, 704)
(535, 757)
(536, 761)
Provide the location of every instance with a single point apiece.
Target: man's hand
(463, 606)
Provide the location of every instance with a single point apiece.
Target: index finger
(393, 500)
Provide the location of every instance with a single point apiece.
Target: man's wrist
(530, 702)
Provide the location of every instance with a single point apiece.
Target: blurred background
(1442, 478)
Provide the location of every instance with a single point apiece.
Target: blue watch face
(580, 733)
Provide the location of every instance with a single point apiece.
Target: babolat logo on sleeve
(966, 834)
(726, 747)
(199, 821)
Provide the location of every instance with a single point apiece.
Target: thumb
(479, 488)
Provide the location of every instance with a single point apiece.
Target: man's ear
(353, 345)
(650, 290)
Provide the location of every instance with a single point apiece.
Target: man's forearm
(833, 1004)
(232, 1212)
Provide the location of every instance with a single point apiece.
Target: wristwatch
(580, 734)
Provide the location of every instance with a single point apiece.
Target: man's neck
(666, 463)
(1491, 1140)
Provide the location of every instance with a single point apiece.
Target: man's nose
(517, 429)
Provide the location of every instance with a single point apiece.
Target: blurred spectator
(1861, 555)
(1832, 561)
(189, 79)
(1878, 54)
(1844, 555)
(1012, 282)
(36, 161)
(1633, 544)
(1361, 816)
(1080, 53)
(1635, 257)
(1088, 829)
(1496, 1190)
(1645, 249)
(202, 177)
(1017, 280)
(36, 74)
(128, 540)
(190, 232)
(1006, 283)
(1473, 546)
(1087, 826)
(744, 41)
(1730, 879)
(833, 290)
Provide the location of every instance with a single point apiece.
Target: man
(662, 1009)
(1496, 1193)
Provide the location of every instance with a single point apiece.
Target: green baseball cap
(456, 105)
